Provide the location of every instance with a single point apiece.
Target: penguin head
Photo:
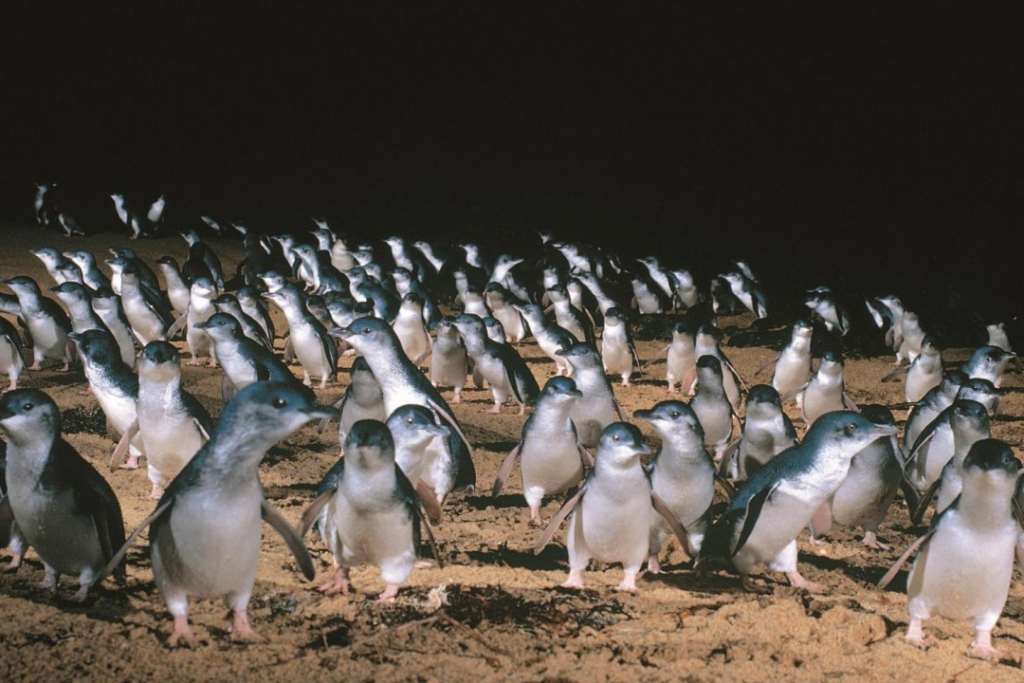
(265, 412)
(992, 358)
(495, 330)
(414, 425)
(673, 418)
(168, 262)
(159, 361)
(580, 355)
(413, 301)
(367, 333)
(615, 316)
(803, 328)
(952, 382)
(681, 331)
(21, 284)
(879, 415)
(981, 390)
(360, 369)
(104, 296)
(47, 255)
(763, 400)
(203, 287)
(709, 334)
(221, 326)
(530, 311)
(70, 271)
(560, 390)
(70, 291)
(830, 359)
(969, 417)
(190, 237)
(446, 326)
(97, 347)
(286, 296)
(28, 416)
(620, 444)
(246, 295)
(469, 324)
(225, 303)
(991, 466)
(369, 446)
(710, 366)
(843, 433)
(559, 291)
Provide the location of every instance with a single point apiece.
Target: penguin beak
(882, 431)
(340, 332)
(75, 337)
(438, 430)
(318, 412)
(643, 415)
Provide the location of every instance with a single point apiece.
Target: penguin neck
(29, 456)
(985, 503)
(165, 391)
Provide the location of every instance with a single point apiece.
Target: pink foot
(182, 634)
(575, 579)
(13, 565)
(871, 541)
(338, 583)
(240, 629)
(157, 492)
(798, 581)
(628, 584)
(495, 410)
(982, 648)
(915, 634)
(389, 594)
(81, 595)
(132, 463)
(48, 583)
(653, 564)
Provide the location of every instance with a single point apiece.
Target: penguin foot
(389, 594)
(240, 629)
(157, 492)
(35, 366)
(49, 583)
(495, 410)
(628, 584)
(982, 648)
(64, 368)
(338, 583)
(13, 565)
(575, 579)
(424, 564)
(915, 635)
(182, 634)
(193, 361)
(10, 387)
(751, 587)
(537, 522)
(457, 398)
(798, 581)
(871, 541)
(654, 565)
(81, 595)
(132, 463)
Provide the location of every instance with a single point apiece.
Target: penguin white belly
(210, 546)
(688, 493)
(436, 473)
(680, 361)
(170, 439)
(550, 465)
(240, 371)
(70, 545)
(11, 362)
(792, 371)
(822, 397)
(511, 322)
(411, 462)
(381, 537)
(448, 367)
(931, 458)
(616, 356)
(612, 527)
(48, 338)
(591, 414)
(963, 573)
(412, 335)
(309, 350)
(715, 418)
(146, 325)
(493, 370)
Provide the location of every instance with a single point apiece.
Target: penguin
(767, 431)
(549, 335)
(823, 304)
(149, 317)
(115, 387)
(362, 400)
(494, 331)
(680, 358)
(612, 513)
(910, 342)
(200, 308)
(227, 303)
(864, 497)
(411, 329)
(617, 349)
(243, 360)
(315, 350)
(659, 276)
(763, 520)
(202, 261)
(12, 363)
(133, 221)
(448, 361)
(402, 383)
(45, 320)
(965, 564)
(646, 301)
(413, 428)
(826, 391)
(934, 464)
(178, 292)
(988, 362)
(107, 306)
(252, 306)
(62, 506)
(172, 424)
(43, 204)
(748, 291)
(52, 261)
(597, 408)
(706, 343)
(370, 512)
(682, 474)
(569, 317)
(69, 272)
(92, 276)
(499, 364)
(793, 365)
(123, 258)
(929, 407)
(191, 556)
(712, 407)
(923, 374)
(78, 299)
(550, 455)
(685, 294)
(504, 308)
(10, 535)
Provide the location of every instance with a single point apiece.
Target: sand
(495, 611)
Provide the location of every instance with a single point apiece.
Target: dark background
(825, 143)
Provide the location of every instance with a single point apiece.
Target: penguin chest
(615, 354)
(932, 457)
(210, 544)
(550, 461)
(715, 416)
(46, 333)
(240, 370)
(412, 335)
(309, 349)
(448, 365)
(687, 489)
(379, 535)
(62, 534)
(120, 408)
(865, 494)
(493, 370)
(681, 359)
(169, 435)
(612, 521)
(791, 371)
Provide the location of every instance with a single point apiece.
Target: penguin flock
(733, 480)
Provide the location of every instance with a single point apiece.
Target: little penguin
(107, 306)
(550, 336)
(172, 423)
(748, 291)
(316, 351)
(617, 350)
(200, 308)
(929, 407)
(780, 499)
(793, 366)
(706, 343)
(115, 387)
(767, 431)
(826, 391)
(228, 303)
(923, 374)
(191, 556)
(78, 299)
(92, 276)
(149, 317)
(988, 362)
(913, 336)
(680, 358)
(864, 497)
(937, 444)
(370, 512)
(502, 306)
(413, 427)
(52, 261)
(712, 406)
(12, 363)
(494, 331)
(362, 400)
(597, 407)
(500, 364)
(243, 360)
(62, 506)
(613, 511)
(569, 317)
(46, 321)
(551, 457)
(682, 473)
(448, 363)
(177, 289)
(411, 329)
(965, 564)
(402, 383)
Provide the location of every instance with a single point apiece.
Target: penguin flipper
(665, 511)
(338, 405)
(728, 490)
(204, 431)
(313, 511)
(917, 512)
(893, 374)
(506, 467)
(793, 393)
(227, 389)
(849, 404)
(891, 574)
(663, 353)
(727, 363)
(430, 505)
(451, 421)
(117, 458)
(291, 538)
(923, 439)
(177, 325)
(727, 455)
(821, 522)
(165, 506)
(586, 456)
(6, 521)
(567, 507)
(619, 411)
(754, 506)
(764, 366)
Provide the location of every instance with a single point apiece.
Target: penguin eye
(279, 402)
(408, 420)
(28, 406)
(675, 414)
(851, 428)
(615, 437)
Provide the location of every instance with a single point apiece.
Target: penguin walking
(315, 350)
(965, 563)
(62, 506)
(499, 364)
(362, 400)
(712, 407)
(826, 391)
(413, 428)
(45, 320)
(191, 556)
(448, 361)
(411, 328)
(597, 407)
(243, 360)
(793, 365)
(617, 350)
(780, 499)
(107, 306)
(613, 511)
(550, 455)
(371, 510)
(680, 358)
(12, 363)
(767, 431)
(549, 335)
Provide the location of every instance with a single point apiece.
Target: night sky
(781, 134)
